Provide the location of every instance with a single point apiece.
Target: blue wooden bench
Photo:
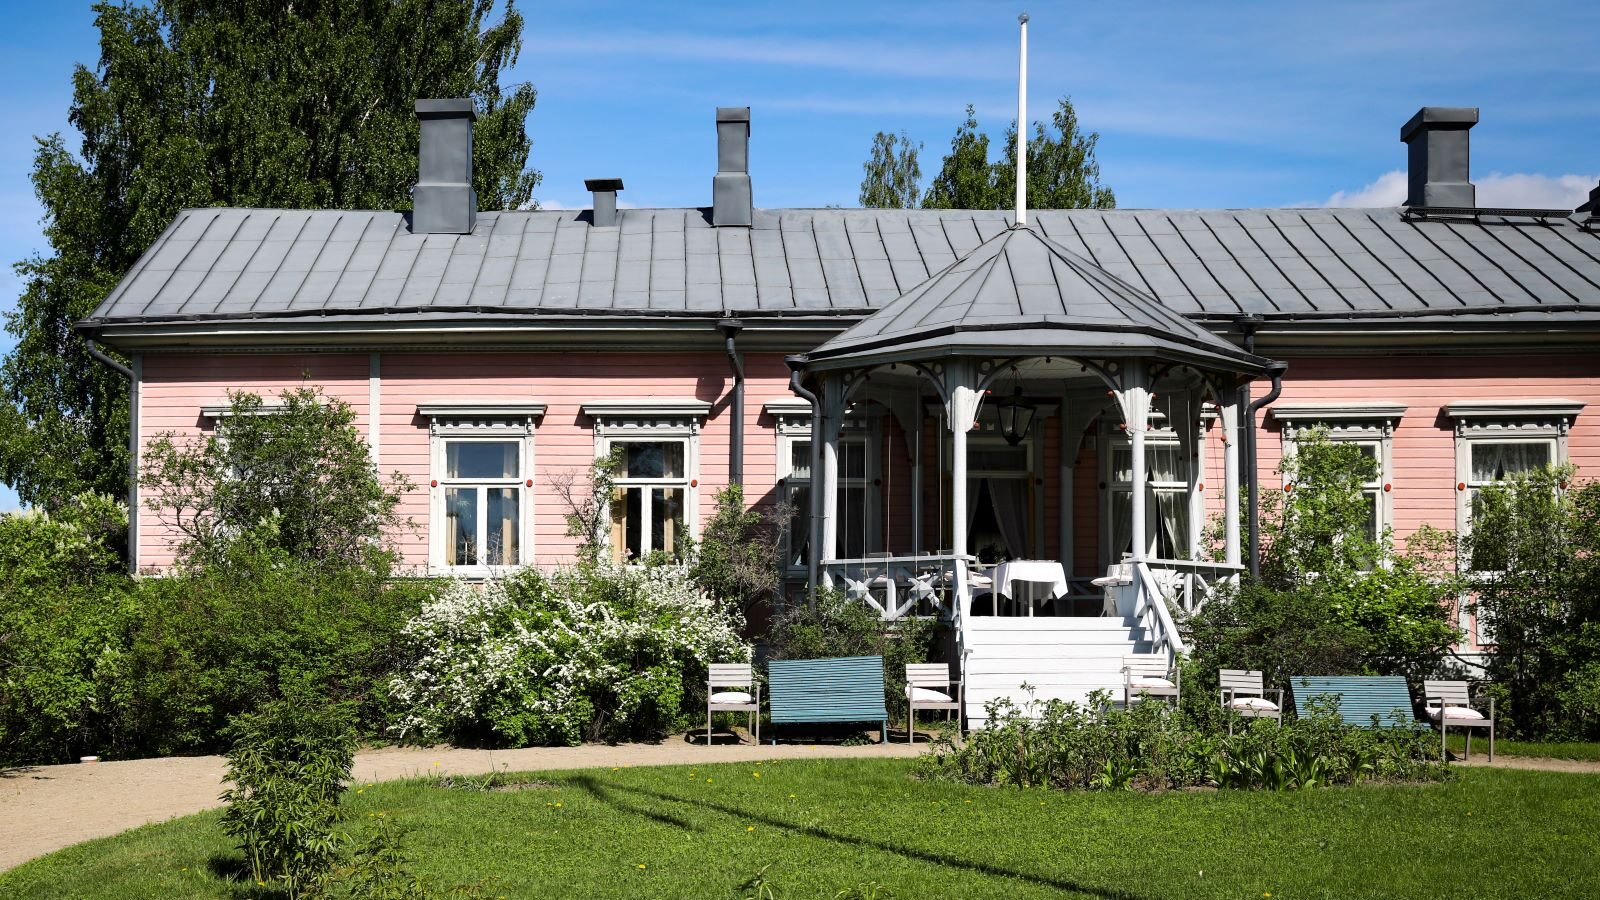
(1360, 698)
(842, 689)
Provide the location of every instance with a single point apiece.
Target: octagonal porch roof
(1020, 293)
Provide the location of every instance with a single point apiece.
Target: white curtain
(1009, 499)
(1495, 462)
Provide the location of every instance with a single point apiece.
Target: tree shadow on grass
(599, 792)
(821, 833)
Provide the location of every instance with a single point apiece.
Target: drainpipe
(133, 445)
(1275, 370)
(814, 520)
(730, 329)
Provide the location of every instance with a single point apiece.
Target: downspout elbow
(1275, 371)
(119, 368)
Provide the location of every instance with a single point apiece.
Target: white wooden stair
(1060, 658)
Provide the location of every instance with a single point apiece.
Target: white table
(1027, 571)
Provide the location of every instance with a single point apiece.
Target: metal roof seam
(267, 282)
(1557, 257)
(1117, 239)
(1444, 251)
(178, 266)
(1272, 261)
(387, 246)
(1278, 226)
(1494, 235)
(1249, 275)
(243, 268)
(1504, 272)
(1222, 286)
(1342, 261)
(1380, 261)
(1177, 275)
(213, 264)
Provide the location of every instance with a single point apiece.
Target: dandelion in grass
(639, 866)
(751, 828)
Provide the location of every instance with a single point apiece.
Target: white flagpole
(1022, 125)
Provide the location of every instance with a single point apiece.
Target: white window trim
(479, 421)
(652, 419)
(1353, 423)
(1501, 422)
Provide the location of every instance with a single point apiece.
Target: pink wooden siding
(176, 386)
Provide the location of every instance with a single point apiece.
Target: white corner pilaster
(1228, 410)
(961, 411)
(1133, 398)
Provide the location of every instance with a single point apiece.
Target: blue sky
(1197, 104)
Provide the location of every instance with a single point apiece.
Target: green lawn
(1585, 750)
(824, 826)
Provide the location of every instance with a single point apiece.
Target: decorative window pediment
(793, 415)
(1344, 421)
(615, 418)
(468, 417)
(1513, 418)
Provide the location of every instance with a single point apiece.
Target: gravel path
(46, 808)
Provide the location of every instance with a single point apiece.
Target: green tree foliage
(67, 608)
(200, 103)
(893, 177)
(1062, 170)
(1331, 600)
(1535, 549)
(296, 477)
(740, 552)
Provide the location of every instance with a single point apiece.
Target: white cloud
(1520, 190)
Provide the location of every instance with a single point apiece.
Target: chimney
(605, 200)
(730, 188)
(1438, 162)
(443, 201)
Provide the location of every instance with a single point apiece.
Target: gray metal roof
(1021, 288)
(223, 263)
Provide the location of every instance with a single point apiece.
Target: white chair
(1149, 675)
(1244, 692)
(747, 699)
(1448, 703)
(929, 686)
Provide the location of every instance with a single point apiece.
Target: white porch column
(828, 482)
(1228, 407)
(1134, 399)
(960, 409)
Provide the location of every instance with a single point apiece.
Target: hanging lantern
(1016, 416)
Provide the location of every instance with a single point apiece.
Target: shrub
(835, 625)
(1331, 600)
(597, 651)
(288, 766)
(740, 552)
(1535, 543)
(65, 623)
(1100, 747)
(295, 477)
(217, 642)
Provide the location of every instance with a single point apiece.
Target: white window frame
(1500, 422)
(454, 421)
(1365, 424)
(794, 427)
(652, 420)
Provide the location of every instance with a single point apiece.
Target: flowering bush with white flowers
(594, 652)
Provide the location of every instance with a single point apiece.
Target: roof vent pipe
(443, 201)
(605, 200)
(1437, 167)
(730, 187)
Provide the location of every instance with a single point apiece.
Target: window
(856, 532)
(1167, 511)
(654, 508)
(650, 505)
(1369, 426)
(481, 486)
(1497, 440)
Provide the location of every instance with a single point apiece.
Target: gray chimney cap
(603, 184)
(447, 108)
(1439, 115)
(733, 114)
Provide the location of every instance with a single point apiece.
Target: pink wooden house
(935, 390)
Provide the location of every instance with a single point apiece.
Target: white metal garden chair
(740, 693)
(1244, 692)
(929, 686)
(1449, 703)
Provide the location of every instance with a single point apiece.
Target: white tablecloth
(1030, 571)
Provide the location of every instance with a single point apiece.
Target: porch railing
(1151, 613)
(899, 586)
(1188, 583)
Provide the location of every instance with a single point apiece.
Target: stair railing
(1151, 613)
